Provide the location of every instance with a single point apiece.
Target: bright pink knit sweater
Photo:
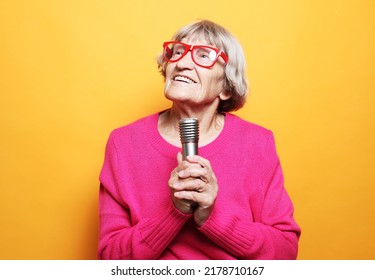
(252, 216)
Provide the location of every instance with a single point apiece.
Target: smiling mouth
(184, 80)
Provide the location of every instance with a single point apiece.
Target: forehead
(195, 41)
(196, 38)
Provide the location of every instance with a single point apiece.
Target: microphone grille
(189, 130)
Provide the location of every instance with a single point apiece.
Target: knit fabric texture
(252, 216)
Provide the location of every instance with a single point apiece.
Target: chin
(178, 93)
(180, 96)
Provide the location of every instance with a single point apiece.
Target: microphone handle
(189, 149)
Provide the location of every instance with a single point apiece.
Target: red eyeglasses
(203, 56)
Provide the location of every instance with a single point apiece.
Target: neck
(210, 124)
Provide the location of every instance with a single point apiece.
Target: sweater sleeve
(272, 233)
(119, 236)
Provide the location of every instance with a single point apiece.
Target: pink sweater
(252, 216)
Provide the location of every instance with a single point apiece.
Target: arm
(119, 236)
(274, 233)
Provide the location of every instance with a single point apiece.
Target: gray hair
(235, 85)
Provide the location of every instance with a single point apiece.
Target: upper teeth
(184, 79)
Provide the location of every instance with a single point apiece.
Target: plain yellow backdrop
(73, 70)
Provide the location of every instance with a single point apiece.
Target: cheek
(217, 76)
(167, 85)
(216, 83)
(167, 80)
(168, 71)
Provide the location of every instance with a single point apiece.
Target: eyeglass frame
(191, 49)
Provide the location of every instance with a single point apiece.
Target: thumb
(179, 157)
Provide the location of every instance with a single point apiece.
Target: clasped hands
(194, 187)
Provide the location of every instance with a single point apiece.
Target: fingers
(189, 185)
(195, 171)
(193, 185)
(186, 196)
(195, 166)
(202, 199)
(196, 161)
(199, 160)
(192, 174)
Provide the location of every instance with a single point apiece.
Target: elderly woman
(228, 202)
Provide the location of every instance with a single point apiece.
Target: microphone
(189, 136)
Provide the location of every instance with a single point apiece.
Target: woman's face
(193, 85)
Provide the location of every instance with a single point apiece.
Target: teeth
(184, 79)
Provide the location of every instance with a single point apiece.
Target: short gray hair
(235, 85)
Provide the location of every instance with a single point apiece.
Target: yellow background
(73, 70)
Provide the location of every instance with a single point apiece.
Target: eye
(178, 50)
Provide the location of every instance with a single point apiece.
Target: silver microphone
(189, 135)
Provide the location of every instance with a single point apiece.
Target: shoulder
(244, 128)
(253, 140)
(136, 127)
(250, 137)
(133, 134)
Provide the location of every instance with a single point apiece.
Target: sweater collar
(166, 149)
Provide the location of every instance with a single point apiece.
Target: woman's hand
(194, 187)
(184, 205)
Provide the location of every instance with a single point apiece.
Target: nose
(186, 62)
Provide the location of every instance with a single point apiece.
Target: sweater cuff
(162, 228)
(229, 232)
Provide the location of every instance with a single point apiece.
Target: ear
(224, 96)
